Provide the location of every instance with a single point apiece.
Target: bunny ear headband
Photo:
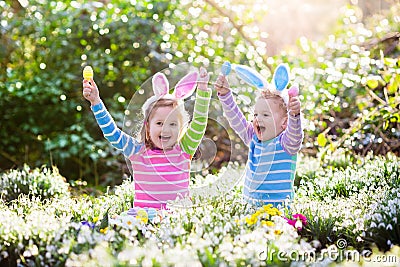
(183, 89)
(278, 84)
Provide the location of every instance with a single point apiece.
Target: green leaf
(390, 62)
(395, 118)
(387, 76)
(385, 125)
(394, 86)
(104, 221)
(372, 83)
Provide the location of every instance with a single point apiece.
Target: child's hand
(294, 105)
(90, 92)
(204, 77)
(222, 85)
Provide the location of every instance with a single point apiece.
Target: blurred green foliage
(44, 118)
(349, 82)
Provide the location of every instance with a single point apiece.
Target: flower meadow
(346, 212)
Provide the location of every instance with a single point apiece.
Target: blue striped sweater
(271, 164)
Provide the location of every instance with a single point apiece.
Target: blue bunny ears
(279, 81)
(251, 77)
(280, 78)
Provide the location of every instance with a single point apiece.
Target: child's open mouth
(260, 130)
(164, 138)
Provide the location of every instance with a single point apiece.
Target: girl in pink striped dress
(161, 158)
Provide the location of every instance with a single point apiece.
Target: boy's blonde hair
(150, 108)
(267, 94)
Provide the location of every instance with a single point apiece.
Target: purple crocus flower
(90, 224)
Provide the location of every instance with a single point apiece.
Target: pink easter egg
(293, 91)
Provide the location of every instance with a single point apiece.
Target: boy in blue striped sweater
(274, 138)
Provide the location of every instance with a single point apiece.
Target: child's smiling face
(164, 127)
(269, 118)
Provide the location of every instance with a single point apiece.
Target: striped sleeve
(197, 127)
(292, 137)
(118, 139)
(236, 118)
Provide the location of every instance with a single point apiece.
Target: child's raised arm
(197, 128)
(222, 85)
(235, 117)
(119, 139)
(292, 137)
(91, 92)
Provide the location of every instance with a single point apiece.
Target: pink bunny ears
(183, 89)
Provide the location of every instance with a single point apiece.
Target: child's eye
(266, 115)
(159, 123)
(173, 124)
(255, 114)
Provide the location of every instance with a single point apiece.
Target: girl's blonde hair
(148, 111)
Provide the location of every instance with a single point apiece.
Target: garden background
(344, 55)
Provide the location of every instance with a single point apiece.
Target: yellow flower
(258, 213)
(277, 232)
(267, 223)
(272, 211)
(95, 219)
(104, 231)
(250, 221)
(267, 207)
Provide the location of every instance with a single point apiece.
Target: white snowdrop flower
(147, 234)
(34, 250)
(226, 246)
(377, 217)
(298, 224)
(206, 219)
(4, 254)
(27, 253)
(389, 227)
(195, 219)
(199, 230)
(315, 243)
(218, 229)
(227, 227)
(215, 239)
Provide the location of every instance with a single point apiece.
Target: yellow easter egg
(142, 216)
(87, 73)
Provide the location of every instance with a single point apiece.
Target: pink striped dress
(159, 175)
